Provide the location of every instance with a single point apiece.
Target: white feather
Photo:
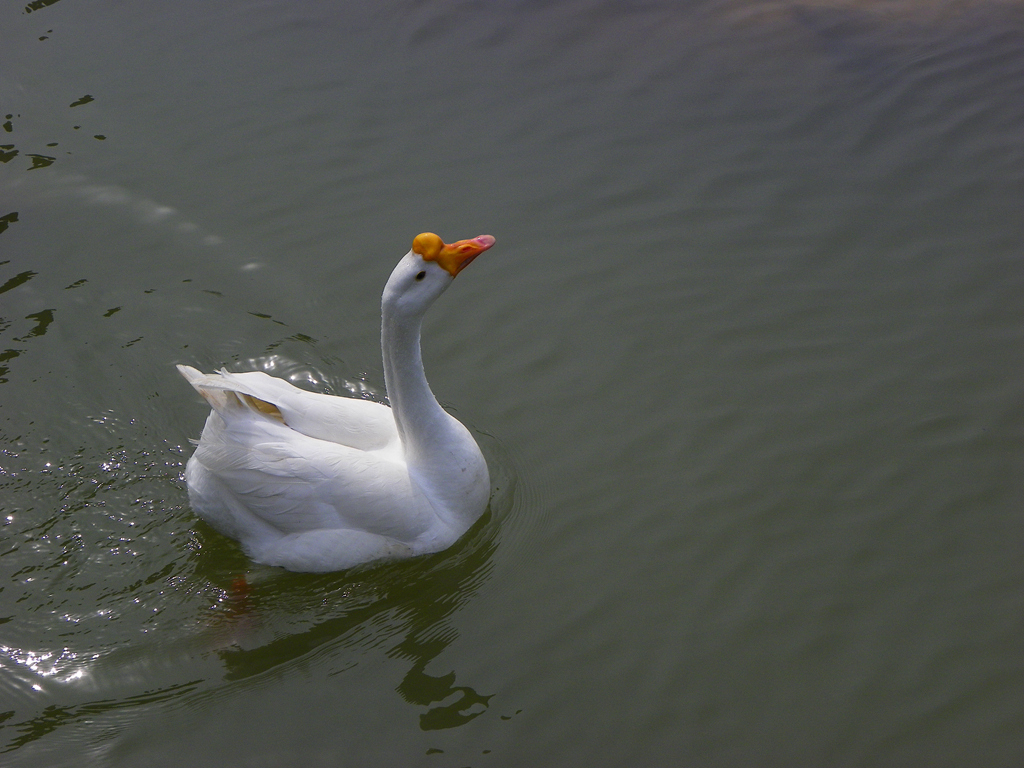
(314, 482)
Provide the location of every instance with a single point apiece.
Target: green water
(745, 362)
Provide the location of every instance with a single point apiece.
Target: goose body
(313, 482)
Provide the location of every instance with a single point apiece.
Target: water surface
(745, 362)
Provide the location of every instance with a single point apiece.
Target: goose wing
(295, 483)
(361, 424)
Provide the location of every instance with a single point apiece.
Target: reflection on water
(423, 689)
(68, 641)
(268, 625)
(407, 600)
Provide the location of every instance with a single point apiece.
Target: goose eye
(421, 275)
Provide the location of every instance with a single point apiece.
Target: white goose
(313, 482)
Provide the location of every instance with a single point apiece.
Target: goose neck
(417, 412)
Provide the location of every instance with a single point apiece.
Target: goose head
(426, 271)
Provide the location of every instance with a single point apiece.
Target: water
(745, 362)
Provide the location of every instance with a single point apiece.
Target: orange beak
(453, 257)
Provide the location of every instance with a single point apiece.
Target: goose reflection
(411, 601)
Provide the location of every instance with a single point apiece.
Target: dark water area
(745, 362)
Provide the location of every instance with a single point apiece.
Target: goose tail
(221, 391)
